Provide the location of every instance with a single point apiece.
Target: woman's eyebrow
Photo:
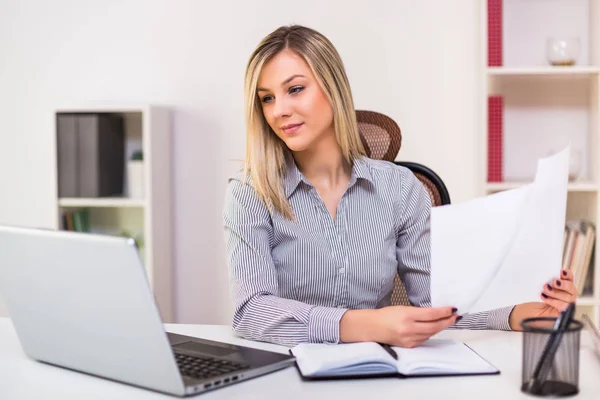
(284, 82)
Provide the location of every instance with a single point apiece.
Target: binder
(90, 154)
(67, 163)
(101, 155)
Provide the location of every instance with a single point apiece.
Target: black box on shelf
(90, 154)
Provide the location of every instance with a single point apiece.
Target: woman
(316, 231)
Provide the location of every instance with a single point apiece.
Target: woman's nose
(281, 108)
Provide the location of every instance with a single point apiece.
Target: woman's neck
(324, 165)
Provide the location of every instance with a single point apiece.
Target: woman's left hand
(555, 297)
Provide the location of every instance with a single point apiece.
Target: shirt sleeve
(259, 313)
(414, 255)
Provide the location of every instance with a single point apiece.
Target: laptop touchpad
(215, 351)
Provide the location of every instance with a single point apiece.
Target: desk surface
(22, 378)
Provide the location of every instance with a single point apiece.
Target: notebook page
(316, 359)
(440, 356)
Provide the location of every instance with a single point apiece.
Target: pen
(389, 349)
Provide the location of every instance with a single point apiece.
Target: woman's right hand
(411, 326)
(396, 325)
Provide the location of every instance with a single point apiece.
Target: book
(435, 357)
(495, 33)
(101, 154)
(67, 160)
(495, 139)
(578, 250)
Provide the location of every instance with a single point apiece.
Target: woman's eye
(296, 89)
(267, 99)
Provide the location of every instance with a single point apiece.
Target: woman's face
(293, 102)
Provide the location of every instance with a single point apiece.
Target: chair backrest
(381, 136)
(433, 183)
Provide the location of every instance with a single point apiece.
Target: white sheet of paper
(500, 250)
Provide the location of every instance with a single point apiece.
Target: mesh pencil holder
(561, 378)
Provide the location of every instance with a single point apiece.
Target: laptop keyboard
(205, 367)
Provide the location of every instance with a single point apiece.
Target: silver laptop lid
(82, 301)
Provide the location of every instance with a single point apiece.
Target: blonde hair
(265, 152)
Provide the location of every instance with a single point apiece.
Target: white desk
(22, 378)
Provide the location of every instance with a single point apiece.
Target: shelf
(146, 127)
(587, 301)
(571, 187)
(576, 71)
(537, 108)
(106, 108)
(116, 202)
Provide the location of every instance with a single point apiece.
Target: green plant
(137, 155)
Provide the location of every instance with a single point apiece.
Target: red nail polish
(564, 273)
(544, 295)
(557, 283)
(549, 287)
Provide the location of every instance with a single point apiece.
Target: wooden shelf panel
(125, 108)
(116, 202)
(587, 301)
(572, 187)
(576, 71)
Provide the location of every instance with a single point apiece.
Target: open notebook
(436, 357)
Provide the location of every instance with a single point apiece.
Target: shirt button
(342, 270)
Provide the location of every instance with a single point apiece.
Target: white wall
(414, 60)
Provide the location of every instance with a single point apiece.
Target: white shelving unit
(546, 107)
(102, 202)
(572, 187)
(575, 71)
(147, 128)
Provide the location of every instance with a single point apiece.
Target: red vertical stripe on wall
(495, 145)
(494, 33)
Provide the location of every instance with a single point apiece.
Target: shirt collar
(293, 176)
(360, 170)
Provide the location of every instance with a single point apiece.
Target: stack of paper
(500, 250)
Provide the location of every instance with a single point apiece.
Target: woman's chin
(297, 145)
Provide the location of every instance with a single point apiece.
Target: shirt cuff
(324, 324)
(499, 318)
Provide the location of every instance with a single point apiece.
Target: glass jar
(562, 51)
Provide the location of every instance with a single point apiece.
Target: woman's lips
(291, 128)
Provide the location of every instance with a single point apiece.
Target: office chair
(381, 136)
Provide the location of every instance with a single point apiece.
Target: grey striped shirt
(291, 281)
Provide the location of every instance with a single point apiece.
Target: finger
(412, 343)
(558, 304)
(432, 314)
(422, 337)
(558, 294)
(565, 285)
(419, 341)
(431, 328)
(566, 274)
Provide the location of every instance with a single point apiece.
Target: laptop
(82, 301)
